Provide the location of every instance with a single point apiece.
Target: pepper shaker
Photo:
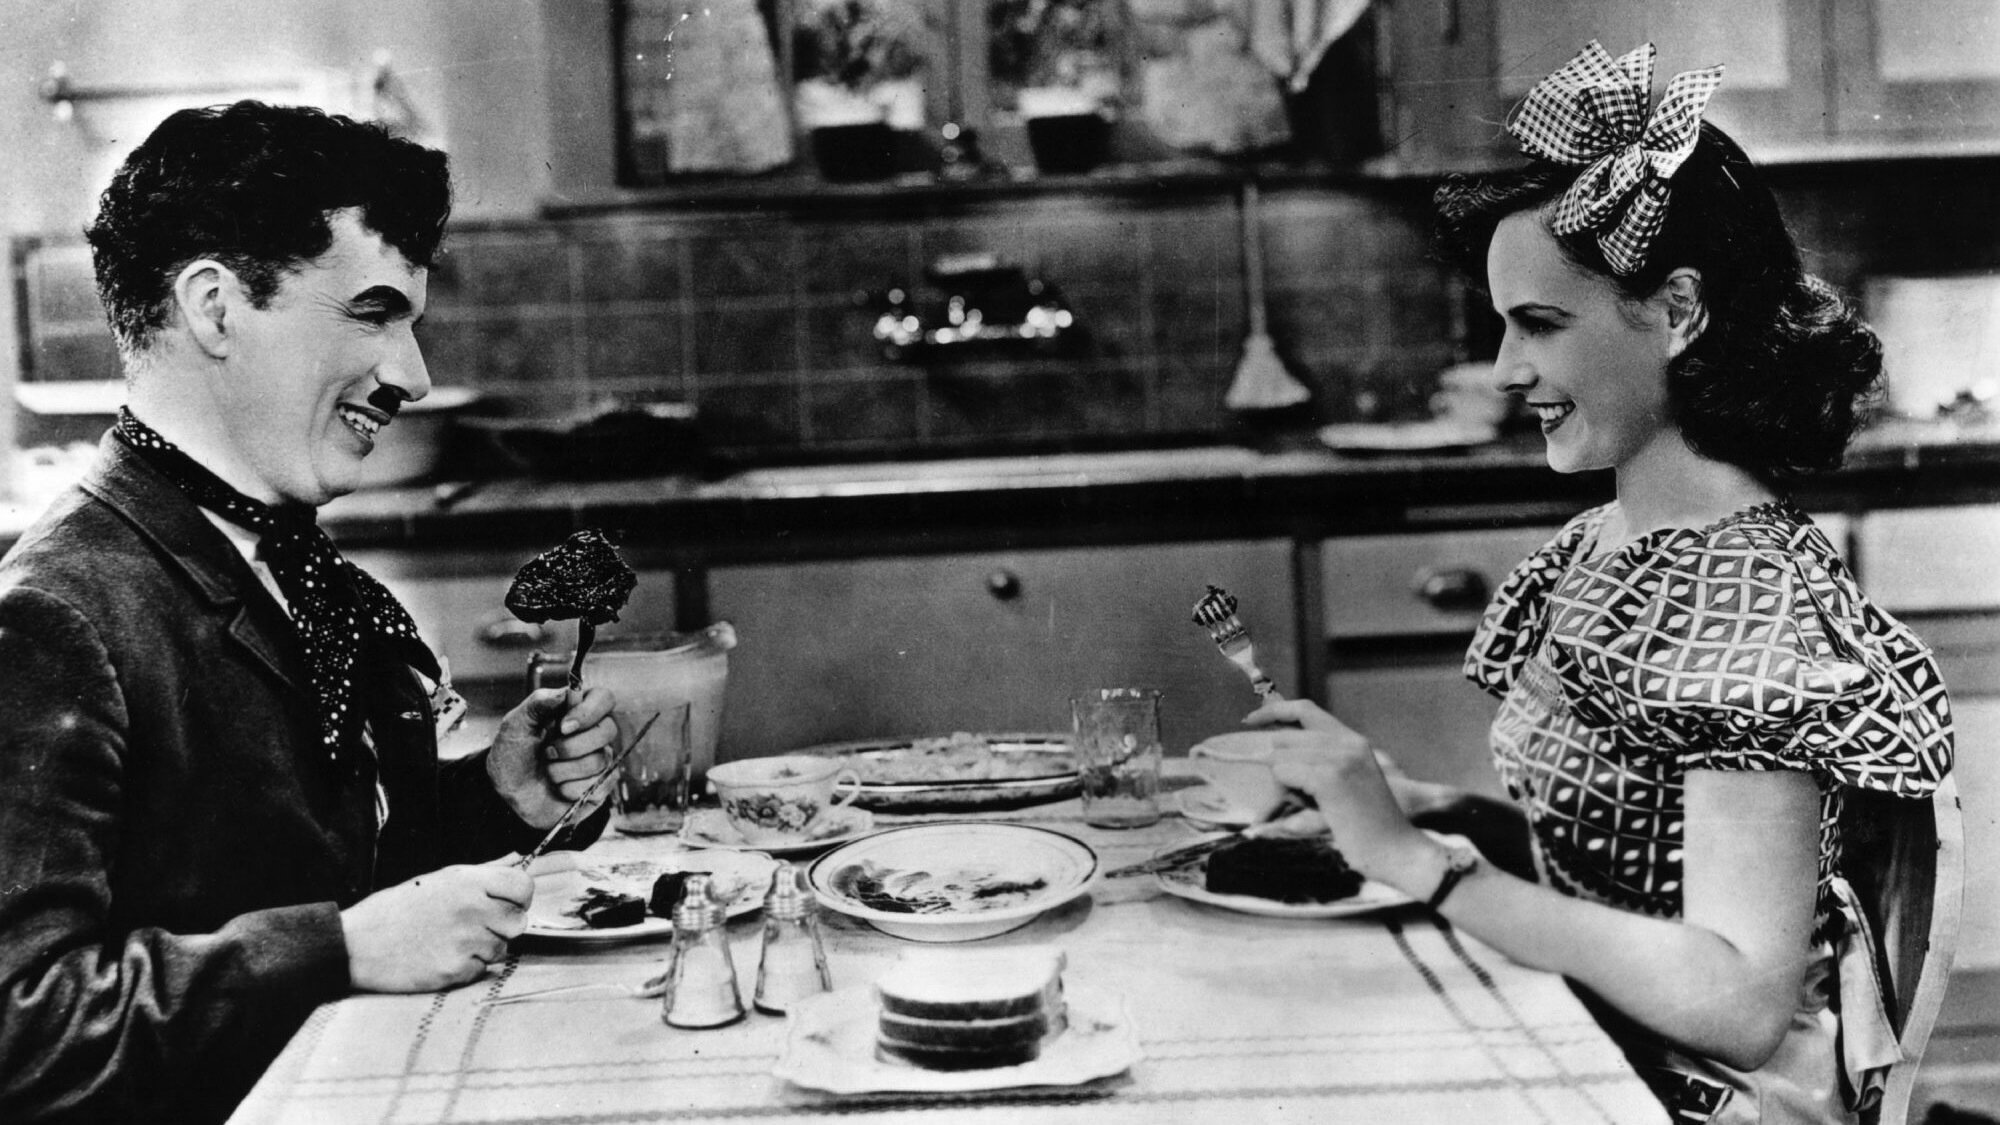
(792, 965)
(701, 980)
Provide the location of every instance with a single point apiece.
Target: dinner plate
(562, 878)
(710, 828)
(1187, 882)
(1042, 764)
(953, 882)
(830, 1046)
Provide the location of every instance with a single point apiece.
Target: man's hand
(437, 930)
(549, 750)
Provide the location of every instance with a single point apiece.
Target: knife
(569, 814)
(1186, 854)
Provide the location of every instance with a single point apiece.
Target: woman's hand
(1335, 765)
(1412, 796)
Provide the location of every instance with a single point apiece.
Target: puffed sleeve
(1733, 649)
(1511, 626)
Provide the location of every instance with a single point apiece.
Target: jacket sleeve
(98, 1024)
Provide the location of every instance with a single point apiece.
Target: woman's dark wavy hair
(1784, 371)
(251, 185)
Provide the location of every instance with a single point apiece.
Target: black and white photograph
(1000, 562)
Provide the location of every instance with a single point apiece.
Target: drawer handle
(509, 632)
(1004, 585)
(1453, 589)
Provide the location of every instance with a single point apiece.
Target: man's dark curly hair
(252, 185)
(1783, 371)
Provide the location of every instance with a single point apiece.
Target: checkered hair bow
(1592, 111)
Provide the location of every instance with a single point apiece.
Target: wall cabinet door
(1927, 71)
(1456, 67)
(1803, 76)
(913, 646)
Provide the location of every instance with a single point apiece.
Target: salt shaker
(701, 979)
(793, 963)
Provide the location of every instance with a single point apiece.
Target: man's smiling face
(314, 376)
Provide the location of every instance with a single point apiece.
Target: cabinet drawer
(1438, 583)
(1930, 559)
(458, 600)
(1419, 584)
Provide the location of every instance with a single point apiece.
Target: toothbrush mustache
(388, 400)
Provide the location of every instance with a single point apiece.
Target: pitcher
(652, 673)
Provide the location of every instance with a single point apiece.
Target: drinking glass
(1117, 741)
(654, 780)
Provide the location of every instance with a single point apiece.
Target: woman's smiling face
(1591, 364)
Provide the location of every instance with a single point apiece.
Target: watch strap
(1459, 862)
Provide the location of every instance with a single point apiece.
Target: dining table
(1387, 1015)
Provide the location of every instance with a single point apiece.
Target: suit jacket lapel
(196, 548)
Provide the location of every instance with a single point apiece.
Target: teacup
(1238, 765)
(781, 799)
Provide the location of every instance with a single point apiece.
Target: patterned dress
(1745, 645)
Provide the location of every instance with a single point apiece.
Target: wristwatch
(1460, 859)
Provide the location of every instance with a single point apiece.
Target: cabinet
(1805, 78)
(996, 641)
(1916, 72)
(1399, 611)
(1933, 569)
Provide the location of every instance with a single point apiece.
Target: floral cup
(780, 800)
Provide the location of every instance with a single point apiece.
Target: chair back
(1906, 862)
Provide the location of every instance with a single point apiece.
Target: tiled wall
(755, 318)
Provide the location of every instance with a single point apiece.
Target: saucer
(710, 828)
(1205, 805)
(830, 1046)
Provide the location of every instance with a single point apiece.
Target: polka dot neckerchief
(335, 604)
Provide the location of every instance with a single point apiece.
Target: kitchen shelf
(800, 188)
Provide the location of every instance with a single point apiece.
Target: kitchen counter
(1291, 488)
(1297, 489)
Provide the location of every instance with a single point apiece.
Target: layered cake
(963, 1010)
(1287, 870)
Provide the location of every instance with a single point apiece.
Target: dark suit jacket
(175, 846)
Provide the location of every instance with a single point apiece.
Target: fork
(653, 986)
(1217, 613)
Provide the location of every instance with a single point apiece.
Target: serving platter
(830, 1046)
(1039, 768)
(953, 882)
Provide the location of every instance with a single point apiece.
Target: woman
(1689, 677)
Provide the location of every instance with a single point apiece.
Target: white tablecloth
(1389, 1017)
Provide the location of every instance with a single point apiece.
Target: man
(220, 797)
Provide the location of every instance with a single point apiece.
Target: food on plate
(626, 892)
(956, 1010)
(581, 578)
(1284, 869)
(601, 909)
(666, 893)
(959, 756)
(899, 891)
